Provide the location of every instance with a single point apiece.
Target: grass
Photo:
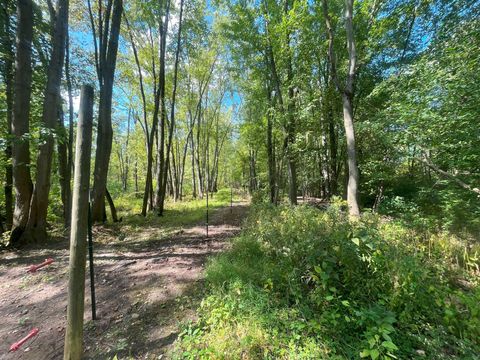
(177, 215)
(300, 283)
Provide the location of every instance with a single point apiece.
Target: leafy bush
(300, 283)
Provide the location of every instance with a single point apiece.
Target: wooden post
(79, 224)
(92, 271)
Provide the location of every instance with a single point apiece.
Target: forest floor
(149, 280)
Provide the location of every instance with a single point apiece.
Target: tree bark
(162, 168)
(37, 220)
(63, 170)
(292, 162)
(426, 160)
(113, 211)
(172, 112)
(194, 176)
(271, 153)
(184, 160)
(22, 181)
(127, 158)
(135, 176)
(71, 116)
(352, 186)
(333, 168)
(149, 134)
(347, 93)
(289, 109)
(8, 78)
(253, 183)
(106, 56)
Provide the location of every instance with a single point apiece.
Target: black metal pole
(90, 257)
(231, 198)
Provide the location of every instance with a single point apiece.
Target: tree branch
(425, 160)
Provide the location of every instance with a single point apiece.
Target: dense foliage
(375, 102)
(251, 96)
(303, 283)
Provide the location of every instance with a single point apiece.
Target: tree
(37, 221)
(163, 183)
(22, 182)
(7, 74)
(106, 48)
(161, 156)
(347, 91)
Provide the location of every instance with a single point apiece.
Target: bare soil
(145, 291)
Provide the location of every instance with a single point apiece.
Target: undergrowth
(300, 283)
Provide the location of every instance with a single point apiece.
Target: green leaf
(356, 241)
(374, 353)
(389, 345)
(386, 337)
(364, 353)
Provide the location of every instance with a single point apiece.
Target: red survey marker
(34, 268)
(19, 343)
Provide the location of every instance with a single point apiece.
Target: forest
(262, 179)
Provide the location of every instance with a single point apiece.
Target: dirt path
(145, 289)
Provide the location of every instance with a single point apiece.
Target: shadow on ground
(145, 289)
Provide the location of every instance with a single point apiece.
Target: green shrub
(300, 283)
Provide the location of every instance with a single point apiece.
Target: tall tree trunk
(37, 220)
(352, 187)
(172, 113)
(135, 176)
(292, 162)
(71, 116)
(8, 76)
(197, 181)
(194, 176)
(113, 211)
(106, 63)
(333, 168)
(127, 158)
(271, 154)
(353, 175)
(174, 175)
(252, 172)
(63, 170)
(184, 160)
(22, 181)
(178, 168)
(197, 157)
(324, 168)
(149, 134)
(163, 154)
(347, 93)
(290, 108)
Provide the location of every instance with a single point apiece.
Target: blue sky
(82, 39)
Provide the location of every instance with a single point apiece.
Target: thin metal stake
(90, 257)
